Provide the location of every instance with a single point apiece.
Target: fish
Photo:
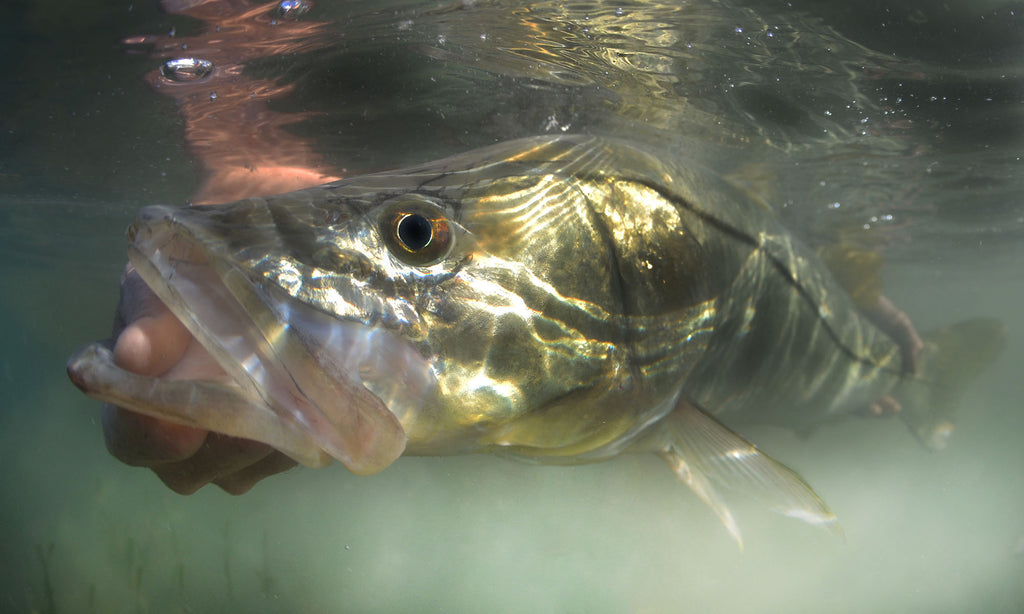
(560, 299)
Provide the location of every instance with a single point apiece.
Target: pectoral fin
(705, 454)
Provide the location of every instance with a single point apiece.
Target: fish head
(281, 293)
(471, 304)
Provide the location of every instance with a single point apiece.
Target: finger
(218, 457)
(151, 344)
(241, 481)
(141, 441)
(136, 300)
(897, 324)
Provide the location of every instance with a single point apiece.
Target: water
(897, 126)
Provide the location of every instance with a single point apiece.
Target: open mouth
(309, 384)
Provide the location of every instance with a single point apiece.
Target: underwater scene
(878, 146)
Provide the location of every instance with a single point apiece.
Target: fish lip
(232, 314)
(93, 370)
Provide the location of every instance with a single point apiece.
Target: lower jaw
(204, 404)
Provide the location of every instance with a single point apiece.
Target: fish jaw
(311, 369)
(206, 404)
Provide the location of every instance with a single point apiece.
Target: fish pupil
(414, 231)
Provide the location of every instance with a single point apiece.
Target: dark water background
(896, 123)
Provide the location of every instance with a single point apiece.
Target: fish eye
(414, 231)
(417, 235)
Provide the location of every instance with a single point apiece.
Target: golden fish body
(559, 299)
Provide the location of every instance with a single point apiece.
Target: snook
(560, 300)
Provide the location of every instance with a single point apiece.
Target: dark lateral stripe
(780, 266)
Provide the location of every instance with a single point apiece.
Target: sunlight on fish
(555, 300)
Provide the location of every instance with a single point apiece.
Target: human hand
(149, 340)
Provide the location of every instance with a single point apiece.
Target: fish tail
(951, 358)
(705, 454)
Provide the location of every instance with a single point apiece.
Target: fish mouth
(305, 382)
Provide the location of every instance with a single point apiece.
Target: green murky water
(899, 123)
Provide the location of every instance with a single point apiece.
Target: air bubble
(185, 70)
